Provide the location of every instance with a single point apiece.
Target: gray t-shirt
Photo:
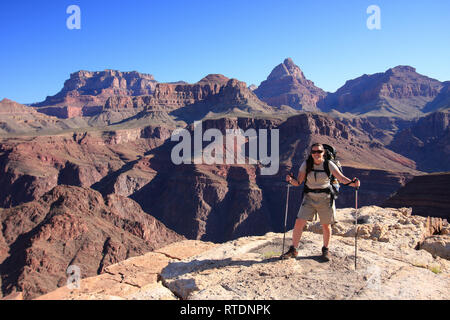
(318, 180)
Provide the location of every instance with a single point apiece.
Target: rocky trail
(390, 265)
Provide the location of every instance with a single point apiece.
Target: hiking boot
(291, 253)
(325, 254)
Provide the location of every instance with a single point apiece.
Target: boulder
(438, 245)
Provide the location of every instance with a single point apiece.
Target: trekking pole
(356, 225)
(285, 214)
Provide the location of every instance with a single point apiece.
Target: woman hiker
(317, 197)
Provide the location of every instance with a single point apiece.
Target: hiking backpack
(330, 155)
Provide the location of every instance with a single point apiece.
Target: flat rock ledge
(396, 260)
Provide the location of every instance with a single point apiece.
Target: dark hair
(310, 160)
(317, 145)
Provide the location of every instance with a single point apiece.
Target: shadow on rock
(177, 269)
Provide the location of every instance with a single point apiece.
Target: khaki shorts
(317, 203)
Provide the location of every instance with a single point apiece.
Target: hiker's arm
(300, 177)
(343, 179)
(296, 182)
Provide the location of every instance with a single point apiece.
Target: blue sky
(243, 39)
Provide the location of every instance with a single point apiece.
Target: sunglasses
(316, 151)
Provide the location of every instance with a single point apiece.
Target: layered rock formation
(171, 96)
(239, 196)
(426, 142)
(399, 91)
(10, 107)
(222, 202)
(426, 194)
(213, 95)
(442, 101)
(85, 92)
(32, 166)
(90, 93)
(389, 266)
(287, 85)
(380, 129)
(20, 120)
(16, 118)
(72, 226)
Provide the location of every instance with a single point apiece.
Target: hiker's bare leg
(298, 230)
(326, 234)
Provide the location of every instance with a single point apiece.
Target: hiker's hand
(356, 183)
(289, 178)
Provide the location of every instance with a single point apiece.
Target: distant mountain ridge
(400, 92)
(101, 84)
(171, 96)
(287, 85)
(85, 92)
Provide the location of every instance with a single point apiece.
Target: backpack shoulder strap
(326, 167)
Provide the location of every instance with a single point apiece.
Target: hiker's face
(317, 153)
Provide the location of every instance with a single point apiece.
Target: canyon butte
(87, 179)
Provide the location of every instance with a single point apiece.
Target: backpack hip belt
(308, 190)
(328, 190)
